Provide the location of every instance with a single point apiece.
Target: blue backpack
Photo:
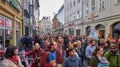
(103, 62)
(103, 65)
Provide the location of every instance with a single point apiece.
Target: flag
(93, 34)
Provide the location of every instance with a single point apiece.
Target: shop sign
(1, 23)
(8, 23)
(71, 24)
(15, 4)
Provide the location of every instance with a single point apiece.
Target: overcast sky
(48, 7)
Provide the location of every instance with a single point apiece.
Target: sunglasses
(113, 48)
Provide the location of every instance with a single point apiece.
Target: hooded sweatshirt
(73, 62)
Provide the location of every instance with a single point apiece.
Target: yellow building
(11, 21)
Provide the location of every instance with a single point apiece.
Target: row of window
(73, 16)
(95, 5)
(71, 4)
(89, 8)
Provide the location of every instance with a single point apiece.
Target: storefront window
(71, 31)
(88, 30)
(8, 23)
(1, 21)
(78, 31)
(101, 31)
(17, 34)
(8, 32)
(1, 32)
(116, 30)
(1, 38)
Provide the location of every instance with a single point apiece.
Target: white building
(60, 20)
(47, 24)
(73, 16)
(101, 15)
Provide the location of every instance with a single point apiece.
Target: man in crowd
(112, 56)
(89, 50)
(36, 54)
(49, 58)
(60, 56)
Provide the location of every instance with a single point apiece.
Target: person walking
(11, 58)
(36, 53)
(80, 51)
(60, 55)
(89, 51)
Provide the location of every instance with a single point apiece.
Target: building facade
(26, 18)
(41, 26)
(36, 16)
(58, 24)
(46, 25)
(101, 15)
(31, 17)
(73, 16)
(11, 21)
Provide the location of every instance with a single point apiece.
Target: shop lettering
(15, 4)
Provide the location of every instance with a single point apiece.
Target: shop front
(78, 32)
(116, 29)
(6, 31)
(11, 21)
(88, 28)
(17, 34)
(71, 31)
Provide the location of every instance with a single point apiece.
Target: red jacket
(2, 53)
(44, 62)
(60, 57)
(35, 54)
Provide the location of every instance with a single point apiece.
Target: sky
(49, 7)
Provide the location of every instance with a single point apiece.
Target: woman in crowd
(49, 58)
(97, 57)
(11, 57)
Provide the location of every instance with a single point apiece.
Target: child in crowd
(72, 60)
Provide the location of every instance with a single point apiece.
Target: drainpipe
(82, 18)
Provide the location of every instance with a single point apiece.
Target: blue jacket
(73, 62)
(89, 51)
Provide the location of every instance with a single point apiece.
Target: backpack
(103, 62)
(100, 64)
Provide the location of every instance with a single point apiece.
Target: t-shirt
(52, 56)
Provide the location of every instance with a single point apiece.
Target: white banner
(93, 34)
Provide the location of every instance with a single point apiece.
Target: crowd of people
(62, 51)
